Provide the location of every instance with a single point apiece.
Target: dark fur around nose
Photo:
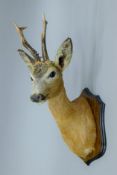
(37, 97)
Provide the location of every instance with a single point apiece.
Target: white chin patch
(42, 101)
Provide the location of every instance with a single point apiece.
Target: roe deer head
(46, 75)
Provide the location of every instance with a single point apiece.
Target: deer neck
(60, 106)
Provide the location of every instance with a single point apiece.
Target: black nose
(37, 98)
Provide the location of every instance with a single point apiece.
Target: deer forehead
(40, 69)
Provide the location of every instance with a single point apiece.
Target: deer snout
(37, 97)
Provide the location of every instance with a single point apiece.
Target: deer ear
(27, 58)
(64, 54)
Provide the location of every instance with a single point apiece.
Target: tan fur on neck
(75, 121)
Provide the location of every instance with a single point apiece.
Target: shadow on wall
(91, 66)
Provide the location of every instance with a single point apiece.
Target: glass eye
(31, 78)
(52, 74)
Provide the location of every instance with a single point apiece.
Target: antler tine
(25, 43)
(43, 40)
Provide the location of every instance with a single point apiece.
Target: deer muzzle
(38, 98)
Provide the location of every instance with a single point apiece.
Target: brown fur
(76, 122)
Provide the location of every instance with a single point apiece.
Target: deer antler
(25, 43)
(43, 40)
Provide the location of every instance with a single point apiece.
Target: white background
(30, 142)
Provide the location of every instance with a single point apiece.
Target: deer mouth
(38, 98)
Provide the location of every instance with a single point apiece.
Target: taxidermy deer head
(76, 119)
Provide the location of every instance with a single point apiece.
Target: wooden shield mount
(98, 109)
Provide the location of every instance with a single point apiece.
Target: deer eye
(31, 78)
(52, 74)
